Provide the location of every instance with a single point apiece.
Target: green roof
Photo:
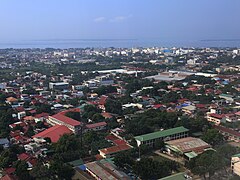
(75, 163)
(191, 154)
(178, 176)
(160, 134)
(236, 155)
(226, 95)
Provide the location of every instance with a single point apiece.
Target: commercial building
(58, 85)
(165, 135)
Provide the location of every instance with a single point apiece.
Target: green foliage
(89, 111)
(193, 124)
(147, 168)
(5, 120)
(105, 90)
(62, 170)
(7, 157)
(97, 118)
(74, 115)
(150, 121)
(206, 163)
(43, 108)
(213, 137)
(113, 106)
(21, 170)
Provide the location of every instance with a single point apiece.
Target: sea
(118, 43)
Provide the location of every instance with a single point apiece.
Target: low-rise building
(165, 135)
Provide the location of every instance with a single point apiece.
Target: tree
(21, 170)
(7, 157)
(213, 137)
(123, 159)
(41, 172)
(113, 106)
(74, 115)
(147, 168)
(206, 163)
(62, 170)
(97, 117)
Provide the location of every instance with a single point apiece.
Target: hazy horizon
(164, 20)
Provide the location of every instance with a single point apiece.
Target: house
(54, 133)
(96, 126)
(4, 142)
(216, 118)
(227, 97)
(165, 135)
(11, 100)
(189, 109)
(188, 147)
(111, 151)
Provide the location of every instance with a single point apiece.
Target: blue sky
(119, 19)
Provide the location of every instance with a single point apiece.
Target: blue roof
(4, 141)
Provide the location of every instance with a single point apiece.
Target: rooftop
(54, 133)
(160, 134)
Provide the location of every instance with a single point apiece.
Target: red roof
(156, 106)
(24, 156)
(115, 149)
(218, 116)
(54, 133)
(91, 126)
(119, 142)
(19, 109)
(10, 170)
(66, 119)
(41, 115)
(200, 106)
(111, 137)
(103, 100)
(9, 177)
(106, 115)
(227, 130)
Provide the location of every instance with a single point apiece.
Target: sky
(119, 19)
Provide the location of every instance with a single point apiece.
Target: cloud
(100, 19)
(120, 18)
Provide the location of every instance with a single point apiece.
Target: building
(235, 164)
(58, 85)
(216, 118)
(61, 119)
(105, 170)
(227, 97)
(228, 133)
(54, 133)
(188, 147)
(95, 127)
(111, 151)
(165, 135)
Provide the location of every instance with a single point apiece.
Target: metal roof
(160, 134)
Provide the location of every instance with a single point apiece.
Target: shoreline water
(117, 43)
